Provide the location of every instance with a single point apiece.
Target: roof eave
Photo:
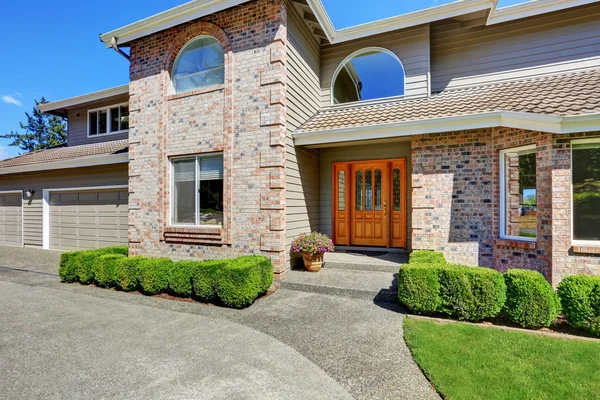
(66, 164)
(532, 8)
(60, 107)
(509, 119)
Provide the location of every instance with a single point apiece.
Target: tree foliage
(41, 131)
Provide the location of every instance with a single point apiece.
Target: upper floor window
(585, 172)
(199, 64)
(111, 119)
(368, 74)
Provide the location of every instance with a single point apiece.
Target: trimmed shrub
(153, 275)
(203, 279)
(84, 265)
(104, 267)
(530, 300)
(426, 257)
(124, 250)
(471, 293)
(243, 279)
(126, 272)
(580, 299)
(68, 266)
(419, 288)
(180, 278)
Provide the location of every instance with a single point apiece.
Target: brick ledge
(519, 244)
(193, 235)
(196, 92)
(581, 249)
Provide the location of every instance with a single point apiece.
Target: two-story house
(463, 128)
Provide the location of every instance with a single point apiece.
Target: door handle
(384, 208)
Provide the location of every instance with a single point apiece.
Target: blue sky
(55, 51)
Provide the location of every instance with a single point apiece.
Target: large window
(112, 119)
(586, 189)
(199, 64)
(368, 74)
(197, 190)
(518, 192)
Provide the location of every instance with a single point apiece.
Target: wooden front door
(369, 203)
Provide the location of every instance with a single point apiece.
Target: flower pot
(313, 262)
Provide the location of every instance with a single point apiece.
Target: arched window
(368, 74)
(199, 64)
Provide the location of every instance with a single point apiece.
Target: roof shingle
(68, 153)
(567, 94)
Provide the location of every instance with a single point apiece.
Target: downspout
(113, 43)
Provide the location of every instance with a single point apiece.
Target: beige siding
(401, 149)
(564, 41)
(107, 175)
(78, 122)
(410, 45)
(302, 165)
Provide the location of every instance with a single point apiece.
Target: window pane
(586, 191)
(521, 193)
(124, 118)
(114, 119)
(200, 64)
(359, 190)
(341, 191)
(184, 191)
(93, 123)
(102, 121)
(368, 190)
(210, 184)
(378, 190)
(396, 179)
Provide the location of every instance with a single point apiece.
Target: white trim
(574, 241)
(86, 98)
(65, 164)
(171, 210)
(46, 206)
(503, 234)
(509, 119)
(108, 120)
(22, 212)
(532, 8)
(357, 53)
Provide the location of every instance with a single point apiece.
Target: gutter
(66, 164)
(509, 119)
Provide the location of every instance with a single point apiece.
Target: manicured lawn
(469, 362)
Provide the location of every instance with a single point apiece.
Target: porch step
(344, 282)
(380, 261)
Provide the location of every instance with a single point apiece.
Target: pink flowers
(312, 243)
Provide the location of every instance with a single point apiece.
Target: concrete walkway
(289, 345)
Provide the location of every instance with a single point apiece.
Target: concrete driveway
(72, 341)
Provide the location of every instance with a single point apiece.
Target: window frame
(176, 61)
(355, 54)
(196, 157)
(502, 164)
(108, 120)
(573, 240)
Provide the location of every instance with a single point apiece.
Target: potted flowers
(312, 246)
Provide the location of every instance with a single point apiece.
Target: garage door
(11, 226)
(89, 219)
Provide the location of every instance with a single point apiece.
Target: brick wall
(243, 118)
(456, 201)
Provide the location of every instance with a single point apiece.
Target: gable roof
(60, 107)
(68, 157)
(556, 96)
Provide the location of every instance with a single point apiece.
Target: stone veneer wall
(456, 202)
(243, 118)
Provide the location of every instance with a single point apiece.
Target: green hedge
(242, 280)
(580, 299)
(531, 301)
(426, 257)
(463, 292)
(126, 274)
(235, 283)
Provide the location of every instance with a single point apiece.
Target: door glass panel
(341, 191)
(396, 189)
(359, 190)
(368, 190)
(378, 190)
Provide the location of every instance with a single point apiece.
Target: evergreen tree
(42, 131)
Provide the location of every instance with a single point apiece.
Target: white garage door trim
(22, 212)
(46, 206)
